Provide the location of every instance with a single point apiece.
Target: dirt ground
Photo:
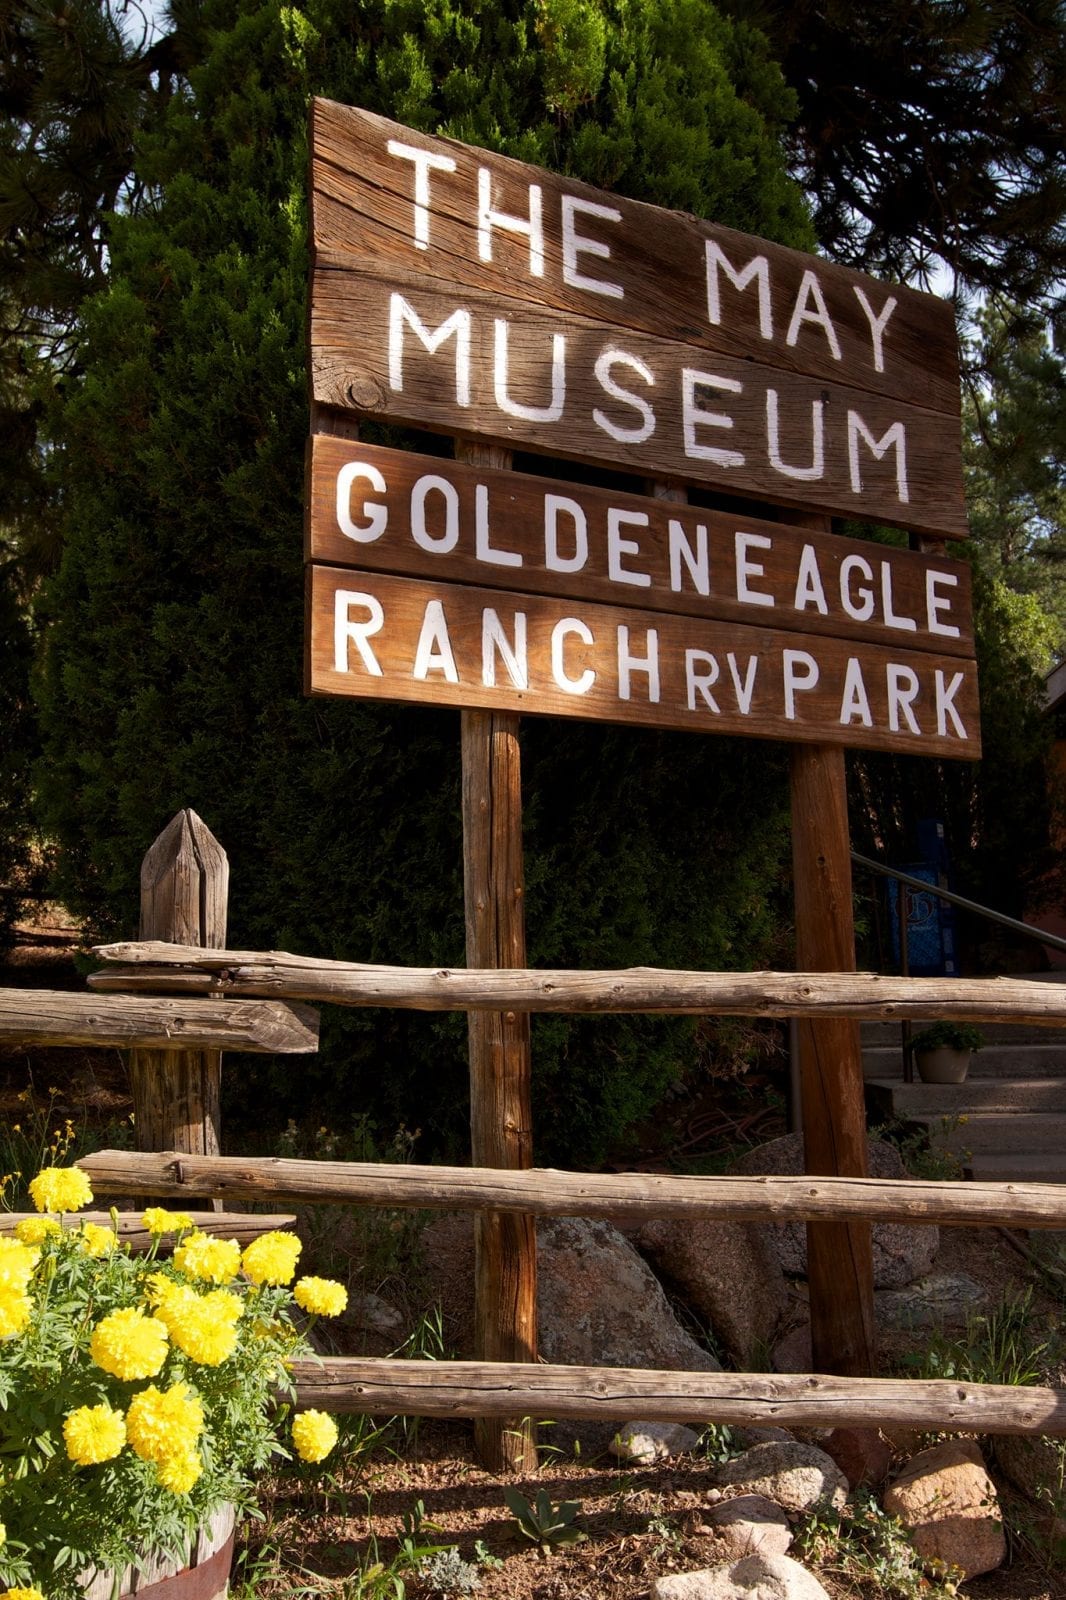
(640, 1522)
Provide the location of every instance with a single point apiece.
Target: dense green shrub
(172, 674)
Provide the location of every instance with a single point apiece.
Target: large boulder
(946, 1500)
(755, 1577)
(795, 1476)
(728, 1273)
(1036, 1467)
(901, 1253)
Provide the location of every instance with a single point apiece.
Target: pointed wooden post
(839, 1254)
(184, 889)
(501, 1102)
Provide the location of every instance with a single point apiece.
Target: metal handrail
(1001, 917)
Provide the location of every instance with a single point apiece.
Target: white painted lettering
(773, 439)
(482, 548)
(378, 515)
(894, 437)
(697, 561)
(400, 313)
(757, 269)
(433, 652)
(346, 631)
(801, 674)
(855, 702)
(700, 682)
(638, 432)
(532, 226)
(936, 603)
(425, 163)
(494, 641)
(693, 417)
(809, 590)
(945, 695)
(810, 292)
(742, 543)
(501, 357)
(562, 630)
(877, 324)
(744, 691)
(617, 547)
(903, 686)
(575, 244)
(906, 624)
(860, 609)
(556, 505)
(628, 664)
(442, 543)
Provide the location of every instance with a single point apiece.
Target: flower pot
(204, 1577)
(943, 1065)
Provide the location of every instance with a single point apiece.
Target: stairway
(1006, 1123)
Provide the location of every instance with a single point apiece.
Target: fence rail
(154, 1022)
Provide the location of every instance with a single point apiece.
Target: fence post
(184, 890)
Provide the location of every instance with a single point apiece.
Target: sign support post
(501, 1112)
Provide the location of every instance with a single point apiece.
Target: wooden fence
(213, 999)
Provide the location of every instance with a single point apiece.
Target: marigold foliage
(314, 1434)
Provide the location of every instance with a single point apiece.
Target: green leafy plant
(138, 1393)
(947, 1036)
(995, 1348)
(446, 1573)
(547, 1525)
(868, 1548)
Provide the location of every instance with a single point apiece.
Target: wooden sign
(486, 298)
(397, 512)
(382, 637)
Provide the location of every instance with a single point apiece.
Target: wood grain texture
(839, 1254)
(374, 636)
(501, 1095)
(184, 891)
(638, 549)
(865, 995)
(744, 452)
(154, 1023)
(808, 1400)
(634, 1196)
(362, 206)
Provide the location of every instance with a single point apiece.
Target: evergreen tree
(172, 667)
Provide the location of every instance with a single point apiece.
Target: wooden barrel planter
(205, 1576)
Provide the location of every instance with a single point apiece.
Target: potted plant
(139, 1394)
(943, 1051)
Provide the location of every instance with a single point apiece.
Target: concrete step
(874, 1034)
(1009, 1166)
(1039, 1060)
(1000, 1133)
(888, 1098)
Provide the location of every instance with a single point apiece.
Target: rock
(750, 1523)
(645, 1442)
(756, 1577)
(746, 1437)
(863, 1455)
(599, 1304)
(794, 1475)
(370, 1311)
(941, 1300)
(1036, 1467)
(728, 1273)
(901, 1253)
(948, 1504)
(792, 1352)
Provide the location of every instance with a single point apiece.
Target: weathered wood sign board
(474, 295)
(484, 297)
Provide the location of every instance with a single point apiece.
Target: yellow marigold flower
(214, 1260)
(35, 1230)
(157, 1219)
(179, 1473)
(204, 1326)
(163, 1423)
(129, 1345)
(272, 1257)
(60, 1189)
(94, 1433)
(96, 1240)
(17, 1261)
(323, 1297)
(16, 1309)
(3, 1534)
(314, 1434)
(22, 1594)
